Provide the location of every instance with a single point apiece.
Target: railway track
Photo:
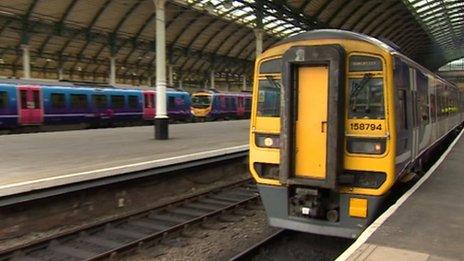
(108, 239)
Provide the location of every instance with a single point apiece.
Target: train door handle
(323, 126)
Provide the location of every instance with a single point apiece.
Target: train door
(414, 113)
(148, 105)
(311, 152)
(311, 124)
(30, 105)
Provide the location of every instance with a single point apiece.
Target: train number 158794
(365, 126)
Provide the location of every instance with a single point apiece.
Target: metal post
(244, 87)
(60, 72)
(149, 81)
(161, 118)
(171, 76)
(212, 80)
(259, 41)
(26, 61)
(112, 70)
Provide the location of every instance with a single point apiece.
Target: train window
(401, 74)
(99, 101)
(362, 63)
(201, 101)
(117, 101)
(423, 97)
(233, 104)
(433, 107)
(401, 116)
(78, 101)
(3, 100)
(23, 94)
(58, 100)
(133, 101)
(247, 104)
(171, 103)
(36, 99)
(366, 98)
(271, 66)
(269, 97)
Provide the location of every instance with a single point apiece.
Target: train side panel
(8, 106)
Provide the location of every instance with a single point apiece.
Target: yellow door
(311, 125)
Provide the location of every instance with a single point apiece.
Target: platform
(43, 160)
(427, 222)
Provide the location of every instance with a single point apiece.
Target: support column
(259, 41)
(161, 118)
(244, 86)
(212, 80)
(171, 76)
(181, 77)
(149, 81)
(60, 72)
(112, 70)
(26, 62)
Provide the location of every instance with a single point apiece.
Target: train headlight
(373, 146)
(267, 140)
(362, 179)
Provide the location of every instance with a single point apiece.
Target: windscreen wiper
(273, 82)
(358, 87)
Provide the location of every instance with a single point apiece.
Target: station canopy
(205, 35)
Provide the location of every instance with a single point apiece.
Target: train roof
(343, 34)
(214, 91)
(335, 34)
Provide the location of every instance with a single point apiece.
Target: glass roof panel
(274, 22)
(442, 19)
(456, 65)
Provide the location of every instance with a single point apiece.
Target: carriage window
(58, 100)
(269, 97)
(401, 118)
(3, 100)
(233, 104)
(133, 101)
(117, 101)
(433, 107)
(23, 94)
(366, 98)
(78, 101)
(36, 99)
(171, 103)
(247, 104)
(99, 101)
(423, 98)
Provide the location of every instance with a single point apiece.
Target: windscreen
(201, 101)
(366, 99)
(269, 97)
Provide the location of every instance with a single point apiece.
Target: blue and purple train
(41, 104)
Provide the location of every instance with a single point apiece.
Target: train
(213, 105)
(339, 120)
(39, 103)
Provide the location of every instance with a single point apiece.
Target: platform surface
(429, 224)
(40, 160)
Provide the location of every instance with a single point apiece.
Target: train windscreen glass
(366, 98)
(269, 97)
(201, 101)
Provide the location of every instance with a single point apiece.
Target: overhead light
(2, 61)
(49, 60)
(122, 67)
(79, 68)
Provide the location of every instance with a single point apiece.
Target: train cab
(201, 104)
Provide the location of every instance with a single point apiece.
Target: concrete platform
(42, 160)
(427, 223)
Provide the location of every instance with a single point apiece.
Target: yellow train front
(338, 118)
